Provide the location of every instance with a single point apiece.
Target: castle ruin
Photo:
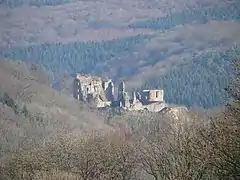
(100, 92)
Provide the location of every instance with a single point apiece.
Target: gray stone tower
(123, 97)
(109, 90)
(121, 90)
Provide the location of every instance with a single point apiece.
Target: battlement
(100, 91)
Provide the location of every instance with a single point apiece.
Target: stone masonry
(100, 92)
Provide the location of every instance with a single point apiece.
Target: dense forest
(197, 15)
(75, 57)
(200, 82)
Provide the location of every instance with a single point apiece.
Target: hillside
(150, 44)
(186, 65)
(30, 110)
(49, 21)
(185, 47)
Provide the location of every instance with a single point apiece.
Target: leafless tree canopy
(204, 147)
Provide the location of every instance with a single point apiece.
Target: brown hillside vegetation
(203, 148)
(76, 21)
(30, 109)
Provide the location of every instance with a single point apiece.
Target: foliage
(7, 100)
(223, 137)
(188, 151)
(10, 102)
(200, 82)
(189, 84)
(198, 15)
(76, 57)
(96, 156)
(196, 146)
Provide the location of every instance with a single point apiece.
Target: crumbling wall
(149, 96)
(101, 92)
(93, 89)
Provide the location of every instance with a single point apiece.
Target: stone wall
(93, 89)
(101, 92)
(152, 96)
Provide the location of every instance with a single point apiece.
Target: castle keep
(100, 92)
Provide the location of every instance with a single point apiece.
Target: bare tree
(223, 136)
(171, 153)
(93, 156)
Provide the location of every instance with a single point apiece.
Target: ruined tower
(123, 97)
(121, 90)
(109, 90)
(92, 89)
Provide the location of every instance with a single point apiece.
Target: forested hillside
(199, 15)
(200, 82)
(186, 54)
(89, 57)
(185, 47)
